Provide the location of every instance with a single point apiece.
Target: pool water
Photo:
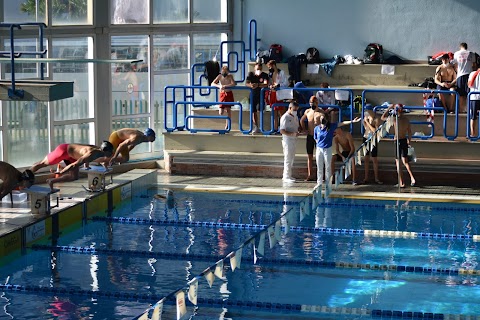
(148, 256)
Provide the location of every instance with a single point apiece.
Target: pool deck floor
(72, 192)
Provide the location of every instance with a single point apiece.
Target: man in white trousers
(289, 126)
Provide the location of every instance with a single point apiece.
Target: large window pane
(73, 133)
(23, 70)
(170, 11)
(129, 11)
(161, 81)
(209, 11)
(27, 139)
(71, 12)
(129, 82)
(76, 107)
(24, 10)
(206, 46)
(170, 52)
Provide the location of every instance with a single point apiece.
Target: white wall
(411, 29)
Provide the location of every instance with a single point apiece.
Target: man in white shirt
(289, 126)
(463, 60)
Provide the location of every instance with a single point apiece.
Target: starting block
(96, 178)
(40, 199)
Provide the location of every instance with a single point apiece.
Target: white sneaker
(288, 180)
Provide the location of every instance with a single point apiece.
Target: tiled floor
(73, 192)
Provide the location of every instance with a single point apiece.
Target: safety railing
(12, 92)
(240, 57)
(313, 90)
(187, 94)
(427, 123)
(438, 109)
(472, 116)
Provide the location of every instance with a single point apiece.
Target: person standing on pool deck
(289, 129)
(403, 134)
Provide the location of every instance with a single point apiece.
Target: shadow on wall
(472, 4)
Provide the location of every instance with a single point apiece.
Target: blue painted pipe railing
(470, 118)
(283, 104)
(439, 109)
(253, 39)
(208, 104)
(170, 96)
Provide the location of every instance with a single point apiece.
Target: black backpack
(312, 55)
(212, 69)
(373, 53)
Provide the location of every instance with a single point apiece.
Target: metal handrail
(449, 137)
(469, 118)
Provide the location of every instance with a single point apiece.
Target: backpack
(436, 59)
(212, 69)
(373, 53)
(276, 52)
(312, 55)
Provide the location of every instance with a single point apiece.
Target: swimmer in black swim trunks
(404, 136)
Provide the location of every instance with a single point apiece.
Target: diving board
(37, 90)
(67, 60)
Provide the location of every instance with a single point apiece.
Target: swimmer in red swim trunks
(124, 140)
(74, 155)
(224, 81)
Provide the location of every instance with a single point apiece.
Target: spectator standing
(474, 107)
(463, 59)
(403, 138)
(225, 81)
(289, 129)
(277, 79)
(256, 80)
(323, 135)
(371, 124)
(307, 123)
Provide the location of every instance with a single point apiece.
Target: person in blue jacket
(323, 136)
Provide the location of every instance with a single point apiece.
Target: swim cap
(28, 175)
(149, 132)
(106, 146)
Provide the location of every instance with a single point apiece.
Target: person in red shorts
(278, 79)
(224, 81)
(74, 155)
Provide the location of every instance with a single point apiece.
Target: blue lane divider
(334, 231)
(397, 206)
(296, 262)
(221, 303)
(290, 203)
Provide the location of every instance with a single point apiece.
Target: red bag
(276, 52)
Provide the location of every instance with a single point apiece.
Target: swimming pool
(349, 259)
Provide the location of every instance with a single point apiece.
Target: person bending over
(12, 179)
(74, 155)
(124, 140)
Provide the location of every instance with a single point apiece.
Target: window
(130, 81)
(170, 52)
(170, 11)
(76, 107)
(129, 11)
(64, 12)
(24, 10)
(209, 11)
